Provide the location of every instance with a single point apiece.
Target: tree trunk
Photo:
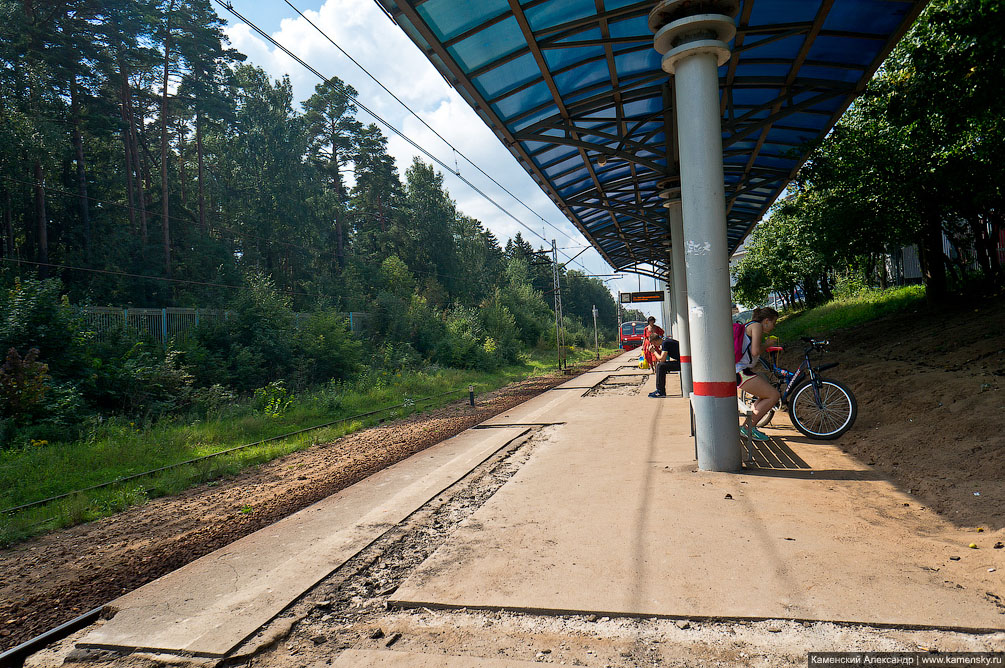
(130, 198)
(182, 177)
(138, 165)
(825, 287)
(8, 224)
(984, 246)
(198, 149)
(142, 176)
(933, 264)
(41, 225)
(165, 220)
(78, 145)
(126, 133)
(997, 241)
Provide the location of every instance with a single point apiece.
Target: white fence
(163, 324)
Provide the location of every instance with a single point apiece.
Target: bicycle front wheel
(828, 418)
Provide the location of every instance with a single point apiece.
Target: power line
(377, 117)
(155, 213)
(129, 275)
(217, 227)
(420, 119)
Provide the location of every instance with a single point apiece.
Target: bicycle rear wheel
(827, 419)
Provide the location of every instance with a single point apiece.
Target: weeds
(855, 309)
(112, 449)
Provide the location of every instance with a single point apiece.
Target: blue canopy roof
(575, 90)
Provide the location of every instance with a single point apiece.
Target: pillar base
(717, 432)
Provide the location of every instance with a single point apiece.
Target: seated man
(667, 359)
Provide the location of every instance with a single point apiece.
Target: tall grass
(116, 448)
(864, 306)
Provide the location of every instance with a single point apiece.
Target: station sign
(636, 297)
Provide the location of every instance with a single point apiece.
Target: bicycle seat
(775, 349)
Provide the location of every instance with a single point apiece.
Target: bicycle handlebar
(814, 344)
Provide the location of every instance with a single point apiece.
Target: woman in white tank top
(763, 321)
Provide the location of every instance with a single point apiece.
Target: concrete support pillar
(669, 313)
(694, 44)
(680, 294)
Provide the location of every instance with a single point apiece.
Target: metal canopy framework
(575, 90)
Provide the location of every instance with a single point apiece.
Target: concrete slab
(209, 606)
(548, 407)
(357, 658)
(610, 516)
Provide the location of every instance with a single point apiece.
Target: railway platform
(609, 515)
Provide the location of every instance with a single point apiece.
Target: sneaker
(757, 435)
(657, 394)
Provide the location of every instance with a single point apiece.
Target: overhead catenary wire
(421, 120)
(120, 205)
(216, 227)
(130, 275)
(381, 120)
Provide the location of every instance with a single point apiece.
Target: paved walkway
(609, 516)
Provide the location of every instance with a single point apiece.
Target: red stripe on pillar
(685, 359)
(720, 390)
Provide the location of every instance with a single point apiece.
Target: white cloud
(363, 31)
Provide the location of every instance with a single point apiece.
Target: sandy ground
(931, 400)
(931, 419)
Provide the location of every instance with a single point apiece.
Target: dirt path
(52, 579)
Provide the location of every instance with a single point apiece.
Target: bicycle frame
(788, 380)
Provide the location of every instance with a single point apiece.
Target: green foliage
(255, 195)
(920, 155)
(327, 348)
(500, 327)
(115, 448)
(273, 399)
(33, 314)
(525, 304)
(854, 309)
(463, 344)
(23, 383)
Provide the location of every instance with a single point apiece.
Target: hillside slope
(931, 391)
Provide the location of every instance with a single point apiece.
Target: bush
(209, 400)
(253, 348)
(327, 348)
(395, 356)
(500, 325)
(23, 383)
(273, 399)
(34, 315)
(464, 344)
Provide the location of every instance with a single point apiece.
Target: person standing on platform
(667, 358)
(649, 351)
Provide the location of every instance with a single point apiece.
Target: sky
(363, 31)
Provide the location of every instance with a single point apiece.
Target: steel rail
(14, 658)
(222, 452)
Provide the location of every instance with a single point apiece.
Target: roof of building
(575, 90)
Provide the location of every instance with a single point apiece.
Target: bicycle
(821, 408)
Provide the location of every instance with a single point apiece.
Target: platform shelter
(663, 130)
